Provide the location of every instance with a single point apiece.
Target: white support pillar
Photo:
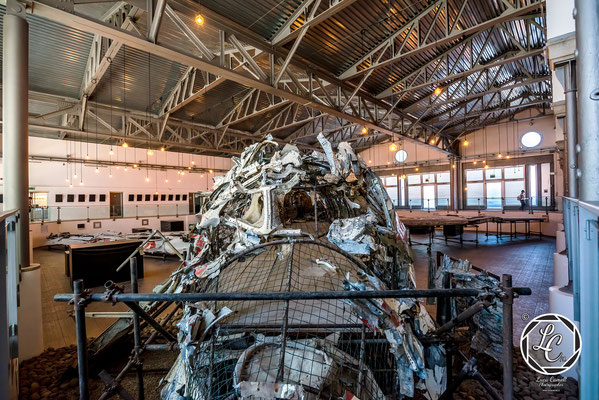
(587, 68)
(15, 110)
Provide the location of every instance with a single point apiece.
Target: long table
(453, 225)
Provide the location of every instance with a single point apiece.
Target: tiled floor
(58, 324)
(529, 261)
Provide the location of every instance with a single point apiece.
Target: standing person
(521, 197)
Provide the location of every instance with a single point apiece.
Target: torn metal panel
(488, 334)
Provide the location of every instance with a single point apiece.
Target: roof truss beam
(413, 29)
(370, 120)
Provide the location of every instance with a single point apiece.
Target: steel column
(508, 337)
(79, 303)
(15, 110)
(571, 126)
(587, 48)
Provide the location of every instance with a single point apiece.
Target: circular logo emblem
(550, 344)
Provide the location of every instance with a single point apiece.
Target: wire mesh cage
(310, 349)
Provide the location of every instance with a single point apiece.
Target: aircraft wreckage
(280, 237)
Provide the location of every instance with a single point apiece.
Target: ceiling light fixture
(124, 144)
(438, 91)
(364, 130)
(466, 142)
(199, 19)
(393, 147)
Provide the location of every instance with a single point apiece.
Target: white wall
(559, 18)
(504, 137)
(57, 177)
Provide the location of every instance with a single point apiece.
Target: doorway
(116, 204)
(428, 195)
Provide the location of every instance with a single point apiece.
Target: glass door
(116, 204)
(428, 195)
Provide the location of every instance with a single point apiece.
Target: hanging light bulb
(67, 179)
(453, 166)
(193, 162)
(484, 161)
(369, 161)
(71, 185)
(134, 165)
(499, 155)
(466, 142)
(417, 169)
(111, 152)
(182, 173)
(393, 147)
(364, 130)
(474, 162)
(508, 156)
(432, 141)
(124, 144)
(80, 183)
(125, 169)
(166, 180)
(150, 152)
(178, 180)
(75, 175)
(118, 167)
(97, 170)
(189, 168)
(147, 179)
(162, 148)
(210, 171)
(199, 19)
(438, 91)
(486, 166)
(466, 188)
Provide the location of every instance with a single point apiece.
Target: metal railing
(87, 213)
(9, 279)
(581, 223)
(503, 204)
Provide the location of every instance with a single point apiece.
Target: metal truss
(104, 50)
(303, 18)
(253, 104)
(461, 60)
(497, 111)
(313, 89)
(419, 30)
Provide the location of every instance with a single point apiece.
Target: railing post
(530, 206)
(58, 220)
(137, 332)
(87, 213)
(79, 306)
(136, 212)
(158, 211)
(478, 205)
(177, 208)
(508, 337)
(503, 205)
(546, 205)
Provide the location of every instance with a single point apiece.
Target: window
(401, 156)
(140, 197)
(443, 177)
(428, 178)
(531, 139)
(390, 183)
(163, 197)
(184, 197)
(532, 185)
(70, 198)
(170, 197)
(443, 195)
(155, 197)
(131, 197)
(58, 198)
(148, 197)
(92, 198)
(414, 196)
(178, 197)
(413, 179)
(81, 198)
(102, 198)
(494, 188)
